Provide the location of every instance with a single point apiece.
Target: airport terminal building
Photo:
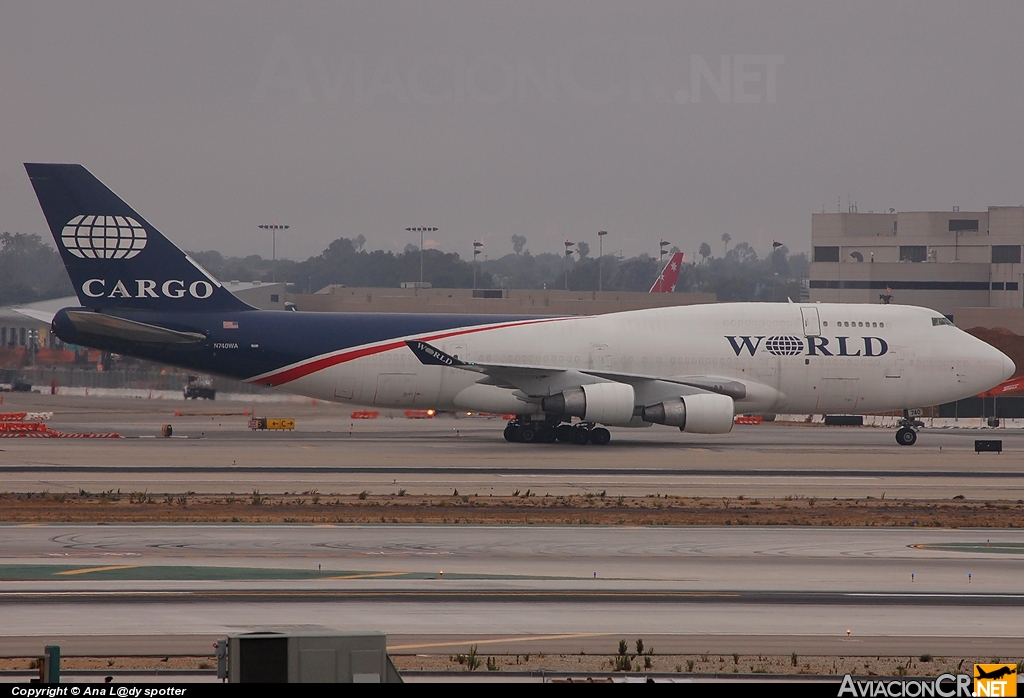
(940, 259)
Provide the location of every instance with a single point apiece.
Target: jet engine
(604, 403)
(705, 413)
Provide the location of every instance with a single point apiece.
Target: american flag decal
(230, 325)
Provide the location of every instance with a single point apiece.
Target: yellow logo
(995, 680)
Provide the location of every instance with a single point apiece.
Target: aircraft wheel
(906, 437)
(527, 435)
(510, 432)
(564, 433)
(600, 436)
(580, 436)
(547, 436)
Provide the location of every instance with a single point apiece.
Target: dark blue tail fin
(114, 257)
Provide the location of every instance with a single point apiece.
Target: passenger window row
(856, 324)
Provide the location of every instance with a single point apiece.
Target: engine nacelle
(604, 403)
(705, 413)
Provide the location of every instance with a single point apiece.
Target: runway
(531, 588)
(170, 588)
(214, 452)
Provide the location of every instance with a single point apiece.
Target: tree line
(31, 270)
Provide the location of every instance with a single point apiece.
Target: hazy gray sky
(488, 119)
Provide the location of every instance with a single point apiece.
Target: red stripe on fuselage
(314, 365)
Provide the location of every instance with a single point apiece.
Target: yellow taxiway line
(365, 576)
(527, 638)
(98, 569)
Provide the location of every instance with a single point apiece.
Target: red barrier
(743, 419)
(56, 435)
(419, 414)
(38, 430)
(22, 426)
(365, 414)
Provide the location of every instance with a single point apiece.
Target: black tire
(600, 436)
(527, 435)
(510, 432)
(547, 435)
(580, 436)
(564, 433)
(906, 437)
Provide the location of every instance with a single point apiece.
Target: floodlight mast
(421, 231)
(273, 228)
(775, 276)
(476, 251)
(568, 256)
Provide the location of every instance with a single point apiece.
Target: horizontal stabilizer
(40, 315)
(101, 325)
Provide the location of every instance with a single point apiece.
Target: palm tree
(726, 237)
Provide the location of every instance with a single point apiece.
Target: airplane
(666, 282)
(1006, 670)
(563, 378)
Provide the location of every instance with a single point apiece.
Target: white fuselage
(794, 358)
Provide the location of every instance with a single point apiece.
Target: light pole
(476, 251)
(273, 228)
(775, 247)
(421, 231)
(600, 258)
(661, 255)
(568, 256)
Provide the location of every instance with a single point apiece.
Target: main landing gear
(906, 435)
(548, 431)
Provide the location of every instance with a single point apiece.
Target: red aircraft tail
(666, 282)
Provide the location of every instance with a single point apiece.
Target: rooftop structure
(938, 259)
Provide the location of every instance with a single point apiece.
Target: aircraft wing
(535, 382)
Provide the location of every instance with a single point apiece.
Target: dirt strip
(522, 508)
(630, 661)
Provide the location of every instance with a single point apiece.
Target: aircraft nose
(1009, 368)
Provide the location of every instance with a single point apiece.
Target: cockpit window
(936, 321)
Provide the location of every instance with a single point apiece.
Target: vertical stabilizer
(114, 257)
(666, 282)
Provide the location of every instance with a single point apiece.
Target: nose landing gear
(906, 435)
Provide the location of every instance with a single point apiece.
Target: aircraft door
(812, 323)
(600, 357)
(395, 389)
(894, 363)
(453, 380)
(460, 350)
(346, 385)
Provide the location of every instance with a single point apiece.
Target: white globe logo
(103, 237)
